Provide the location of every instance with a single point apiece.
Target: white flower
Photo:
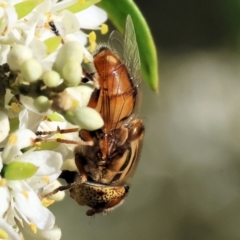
(28, 172)
(7, 232)
(24, 175)
(32, 29)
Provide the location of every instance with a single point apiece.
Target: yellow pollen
(46, 25)
(37, 34)
(48, 16)
(33, 227)
(46, 179)
(85, 60)
(25, 194)
(3, 5)
(104, 28)
(12, 139)
(92, 37)
(2, 182)
(75, 103)
(37, 145)
(81, 1)
(3, 234)
(47, 202)
(15, 107)
(59, 135)
(92, 47)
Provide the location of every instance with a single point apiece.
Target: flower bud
(70, 51)
(88, 118)
(17, 55)
(72, 72)
(31, 70)
(41, 103)
(51, 79)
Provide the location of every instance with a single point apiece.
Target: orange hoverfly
(105, 167)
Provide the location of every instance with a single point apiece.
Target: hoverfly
(105, 167)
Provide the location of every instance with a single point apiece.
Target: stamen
(85, 60)
(3, 234)
(59, 135)
(47, 202)
(48, 16)
(75, 103)
(81, 1)
(33, 227)
(92, 40)
(25, 194)
(37, 145)
(92, 37)
(46, 179)
(37, 34)
(92, 47)
(104, 28)
(15, 107)
(12, 139)
(3, 182)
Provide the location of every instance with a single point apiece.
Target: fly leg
(48, 134)
(75, 181)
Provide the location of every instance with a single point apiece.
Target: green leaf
(19, 170)
(25, 7)
(117, 11)
(77, 7)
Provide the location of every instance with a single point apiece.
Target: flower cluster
(42, 48)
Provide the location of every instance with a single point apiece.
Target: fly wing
(131, 54)
(116, 43)
(127, 50)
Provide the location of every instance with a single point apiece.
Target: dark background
(187, 185)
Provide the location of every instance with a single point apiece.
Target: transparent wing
(116, 43)
(131, 54)
(127, 50)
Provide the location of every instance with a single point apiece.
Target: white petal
(49, 162)
(4, 126)
(51, 126)
(78, 36)
(37, 182)
(29, 119)
(70, 22)
(51, 234)
(9, 230)
(22, 138)
(91, 17)
(81, 94)
(29, 205)
(5, 200)
(3, 53)
(38, 49)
